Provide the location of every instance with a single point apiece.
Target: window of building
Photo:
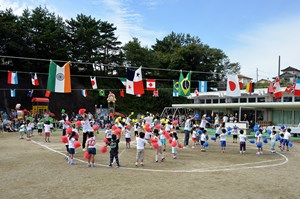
(297, 99)
(208, 101)
(202, 101)
(243, 100)
(251, 99)
(235, 100)
(222, 100)
(215, 101)
(261, 99)
(288, 99)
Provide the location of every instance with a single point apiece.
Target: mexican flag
(59, 78)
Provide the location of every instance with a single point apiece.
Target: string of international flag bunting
(59, 81)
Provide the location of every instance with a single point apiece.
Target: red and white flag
(34, 79)
(297, 87)
(271, 88)
(155, 93)
(150, 84)
(94, 82)
(134, 82)
(277, 92)
(233, 86)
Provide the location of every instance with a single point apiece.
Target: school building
(260, 107)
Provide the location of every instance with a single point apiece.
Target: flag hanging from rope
(59, 78)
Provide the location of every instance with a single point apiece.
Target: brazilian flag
(184, 85)
(175, 88)
(102, 93)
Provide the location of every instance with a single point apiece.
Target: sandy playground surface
(36, 169)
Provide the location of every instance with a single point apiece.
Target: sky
(253, 33)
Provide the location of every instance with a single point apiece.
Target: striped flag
(123, 80)
(13, 92)
(250, 87)
(202, 86)
(84, 92)
(34, 79)
(59, 78)
(12, 77)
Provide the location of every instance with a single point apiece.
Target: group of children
(155, 137)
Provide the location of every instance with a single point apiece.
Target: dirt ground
(36, 169)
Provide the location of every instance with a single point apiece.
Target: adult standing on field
(187, 130)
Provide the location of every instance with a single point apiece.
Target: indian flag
(59, 78)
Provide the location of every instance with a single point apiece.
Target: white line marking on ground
(186, 171)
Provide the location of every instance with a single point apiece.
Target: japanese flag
(233, 87)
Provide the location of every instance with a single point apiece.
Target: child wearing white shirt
(140, 147)
(273, 141)
(286, 139)
(223, 140)
(243, 139)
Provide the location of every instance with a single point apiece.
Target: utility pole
(279, 66)
(256, 74)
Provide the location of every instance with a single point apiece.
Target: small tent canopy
(40, 99)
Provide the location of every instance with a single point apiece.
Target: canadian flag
(233, 86)
(150, 84)
(94, 82)
(277, 92)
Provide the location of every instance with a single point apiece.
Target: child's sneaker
(142, 164)
(89, 165)
(163, 159)
(258, 153)
(261, 153)
(110, 165)
(136, 164)
(193, 147)
(118, 166)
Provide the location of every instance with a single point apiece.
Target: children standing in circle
(243, 139)
(140, 148)
(114, 150)
(91, 146)
(159, 149)
(223, 140)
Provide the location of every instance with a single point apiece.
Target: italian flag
(59, 78)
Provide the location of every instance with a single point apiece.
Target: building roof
(263, 80)
(287, 74)
(290, 69)
(244, 77)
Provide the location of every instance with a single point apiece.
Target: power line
(120, 66)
